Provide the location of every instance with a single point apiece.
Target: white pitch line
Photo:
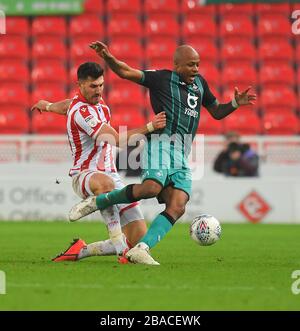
(146, 287)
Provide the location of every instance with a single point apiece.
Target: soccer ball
(205, 230)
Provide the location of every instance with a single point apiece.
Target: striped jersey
(182, 102)
(83, 123)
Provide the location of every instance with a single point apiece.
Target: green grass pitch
(248, 269)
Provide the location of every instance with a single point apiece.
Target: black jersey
(181, 102)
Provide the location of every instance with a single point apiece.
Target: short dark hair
(89, 69)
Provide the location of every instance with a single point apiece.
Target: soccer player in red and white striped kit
(91, 138)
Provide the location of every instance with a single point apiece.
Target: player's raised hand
(244, 98)
(41, 106)
(100, 48)
(159, 121)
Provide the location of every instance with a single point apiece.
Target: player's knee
(151, 190)
(104, 186)
(176, 210)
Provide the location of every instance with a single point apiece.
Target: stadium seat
(275, 49)
(14, 71)
(272, 8)
(244, 121)
(161, 25)
(48, 123)
(210, 72)
(49, 25)
(17, 26)
(123, 6)
(236, 26)
(93, 6)
(127, 116)
(238, 49)
(273, 25)
(157, 63)
(161, 6)
(161, 49)
(124, 25)
(235, 9)
(196, 7)
(50, 92)
(206, 48)
(126, 48)
(49, 48)
(14, 47)
(238, 73)
(14, 120)
(279, 109)
(281, 123)
(208, 125)
(81, 52)
(277, 95)
(49, 74)
(130, 95)
(87, 25)
(280, 72)
(199, 26)
(14, 94)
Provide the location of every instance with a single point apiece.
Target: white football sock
(99, 248)
(112, 220)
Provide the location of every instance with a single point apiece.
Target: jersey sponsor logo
(192, 101)
(91, 121)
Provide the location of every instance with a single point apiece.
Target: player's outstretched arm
(219, 111)
(122, 69)
(60, 107)
(110, 135)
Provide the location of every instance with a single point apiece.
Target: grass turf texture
(248, 269)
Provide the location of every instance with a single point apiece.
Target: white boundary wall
(30, 166)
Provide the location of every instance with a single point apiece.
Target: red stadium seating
(127, 116)
(235, 9)
(199, 26)
(50, 92)
(93, 6)
(208, 125)
(123, 6)
(210, 72)
(238, 49)
(126, 48)
(206, 48)
(124, 25)
(48, 123)
(49, 25)
(18, 26)
(238, 73)
(14, 94)
(88, 25)
(297, 53)
(14, 120)
(130, 95)
(279, 109)
(161, 25)
(161, 6)
(162, 48)
(236, 26)
(196, 7)
(272, 8)
(14, 47)
(49, 74)
(157, 63)
(275, 49)
(273, 25)
(280, 72)
(244, 121)
(49, 48)
(281, 123)
(14, 71)
(278, 95)
(81, 52)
